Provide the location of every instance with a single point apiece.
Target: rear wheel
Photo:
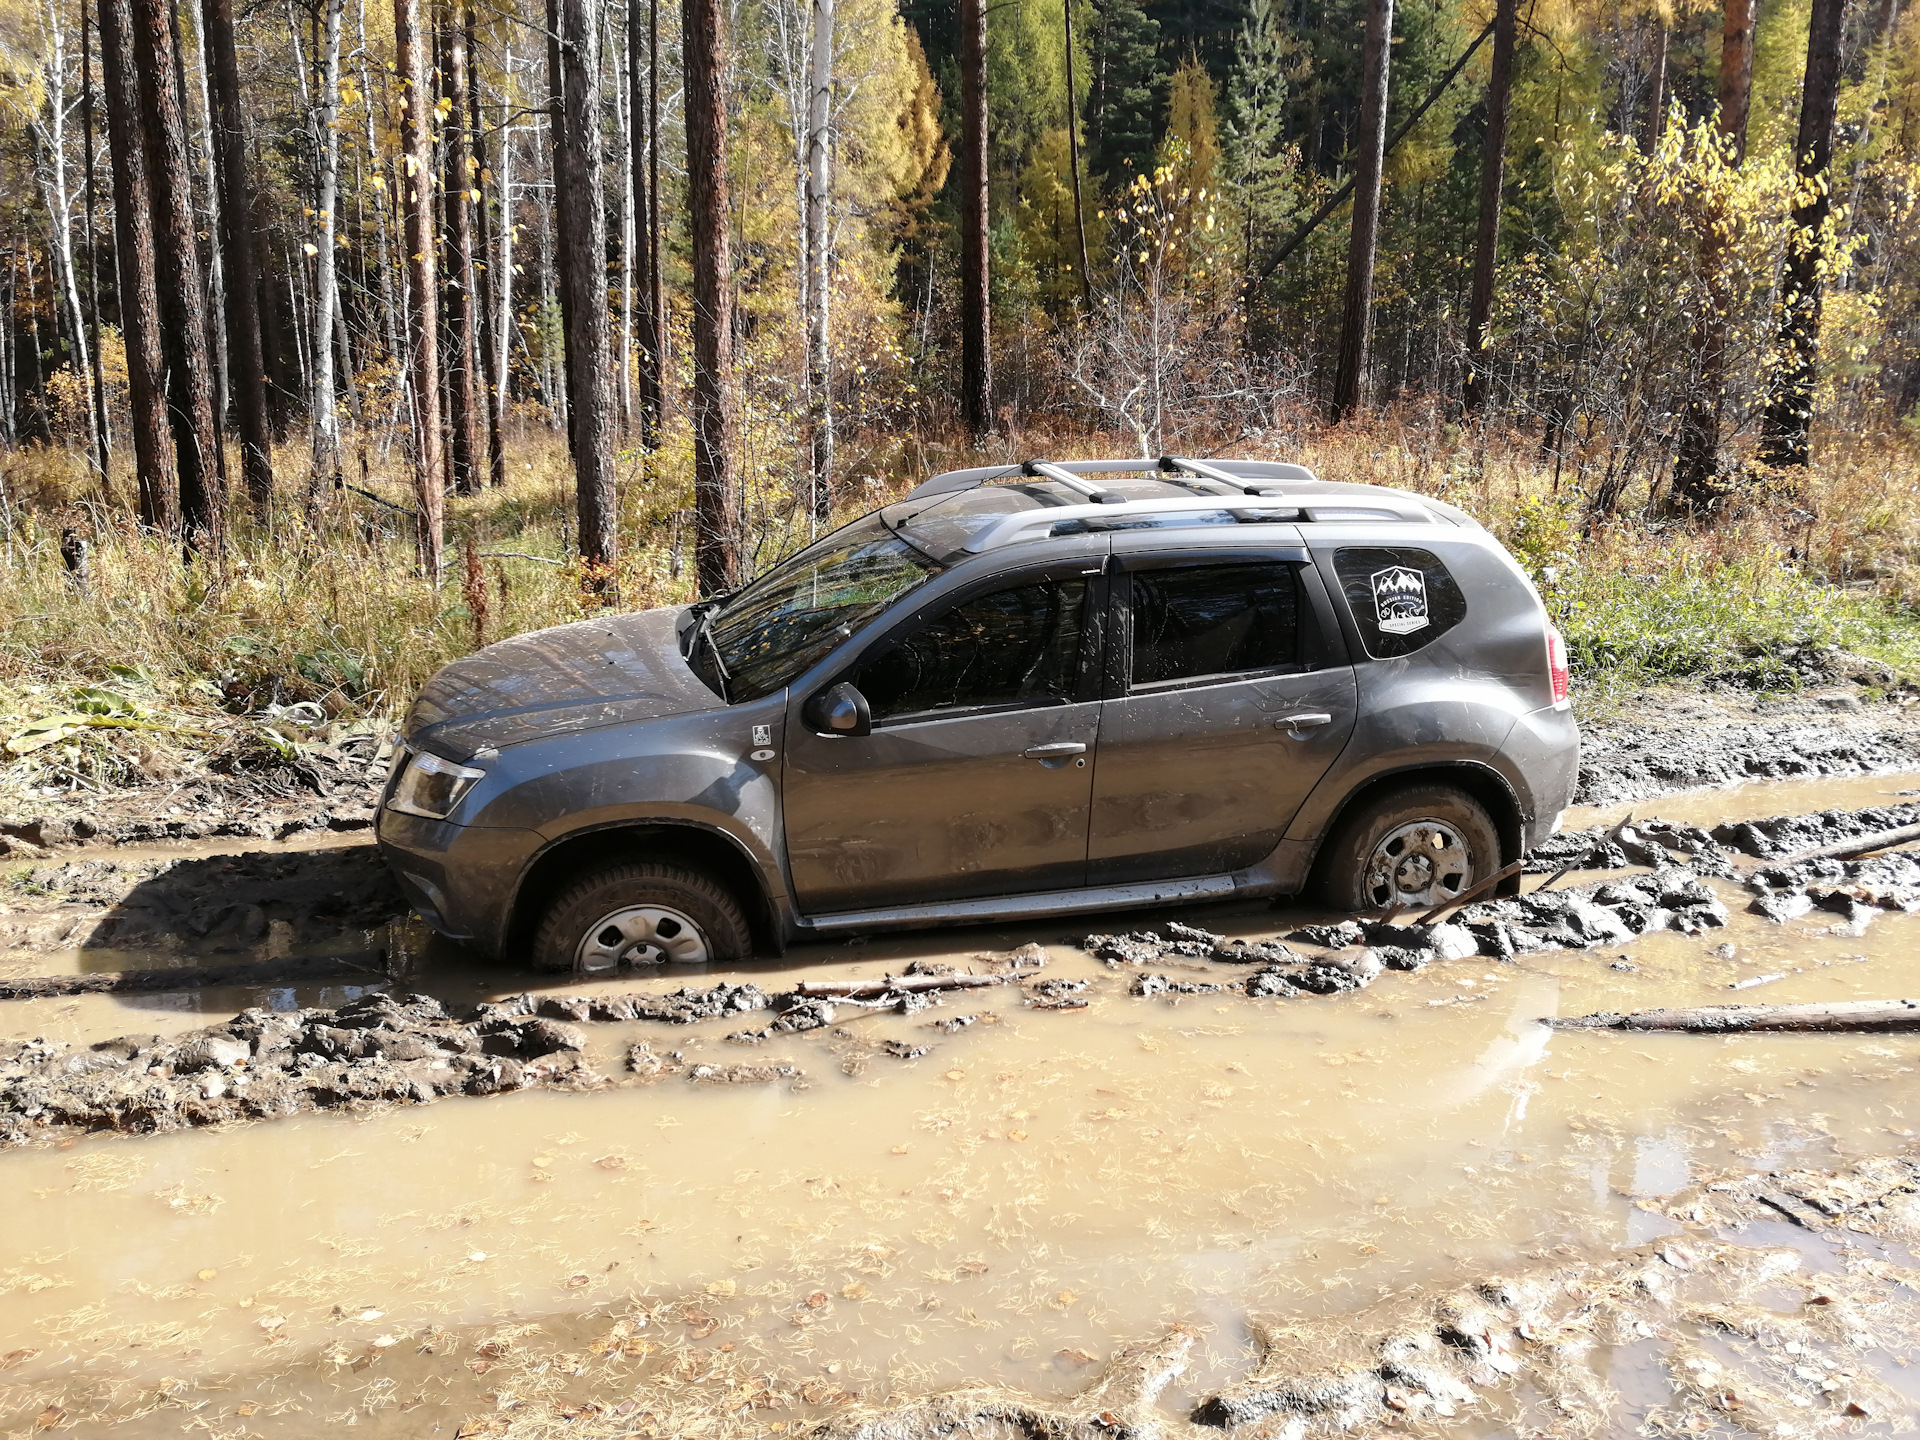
(1416, 847)
(629, 913)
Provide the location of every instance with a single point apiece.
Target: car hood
(609, 671)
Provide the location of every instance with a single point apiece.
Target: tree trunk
(1696, 470)
(1790, 405)
(484, 296)
(642, 45)
(976, 337)
(1073, 163)
(1846, 1017)
(819, 194)
(469, 454)
(1486, 242)
(102, 430)
(1370, 143)
(423, 338)
(716, 499)
(325, 477)
(139, 298)
(583, 279)
(1657, 84)
(183, 330)
(248, 365)
(59, 202)
(502, 359)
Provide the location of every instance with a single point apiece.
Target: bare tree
(976, 337)
(1486, 241)
(1073, 159)
(183, 330)
(1656, 123)
(484, 295)
(468, 459)
(1696, 470)
(423, 337)
(819, 261)
(133, 246)
(716, 498)
(247, 372)
(49, 125)
(1370, 145)
(1790, 402)
(324, 114)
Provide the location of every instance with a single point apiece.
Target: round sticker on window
(1400, 600)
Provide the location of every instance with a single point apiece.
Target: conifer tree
(1126, 90)
(1255, 157)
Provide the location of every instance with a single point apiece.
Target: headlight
(431, 786)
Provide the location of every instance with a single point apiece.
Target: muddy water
(1040, 1183)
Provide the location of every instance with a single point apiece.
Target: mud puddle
(898, 1204)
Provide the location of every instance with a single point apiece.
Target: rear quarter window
(1402, 598)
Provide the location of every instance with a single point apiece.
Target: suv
(1026, 690)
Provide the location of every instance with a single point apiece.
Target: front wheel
(1413, 848)
(633, 912)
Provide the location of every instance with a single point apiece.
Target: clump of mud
(399, 1048)
(1604, 912)
(261, 1065)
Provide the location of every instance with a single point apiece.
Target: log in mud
(1856, 1017)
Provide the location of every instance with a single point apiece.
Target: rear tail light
(1557, 668)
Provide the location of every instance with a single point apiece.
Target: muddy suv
(1031, 690)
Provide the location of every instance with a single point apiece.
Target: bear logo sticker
(1400, 600)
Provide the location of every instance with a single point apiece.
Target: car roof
(974, 511)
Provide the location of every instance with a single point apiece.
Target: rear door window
(1010, 649)
(1401, 598)
(1194, 622)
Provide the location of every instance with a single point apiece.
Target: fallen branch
(1473, 892)
(895, 985)
(193, 977)
(1858, 845)
(1841, 1017)
(1565, 870)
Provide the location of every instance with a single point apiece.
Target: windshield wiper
(703, 630)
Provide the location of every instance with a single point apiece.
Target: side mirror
(840, 710)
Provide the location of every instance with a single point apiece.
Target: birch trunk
(819, 262)
(464, 411)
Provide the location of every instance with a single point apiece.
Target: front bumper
(460, 879)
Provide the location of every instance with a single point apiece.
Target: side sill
(1037, 907)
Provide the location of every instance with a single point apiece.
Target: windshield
(789, 618)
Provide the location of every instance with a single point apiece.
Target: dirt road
(1237, 1176)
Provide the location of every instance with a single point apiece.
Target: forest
(337, 339)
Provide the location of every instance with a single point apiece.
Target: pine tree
(1256, 159)
(1126, 90)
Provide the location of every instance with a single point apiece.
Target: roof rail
(1014, 527)
(1246, 476)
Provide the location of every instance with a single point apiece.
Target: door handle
(1297, 723)
(1056, 751)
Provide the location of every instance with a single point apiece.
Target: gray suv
(1027, 690)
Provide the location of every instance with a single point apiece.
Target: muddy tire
(636, 912)
(1417, 846)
